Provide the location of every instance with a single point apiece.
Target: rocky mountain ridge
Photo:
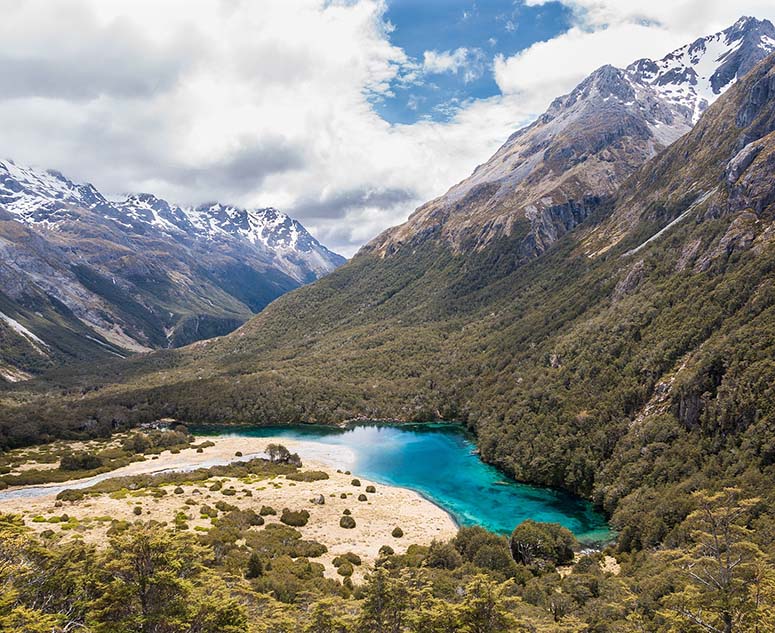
(549, 176)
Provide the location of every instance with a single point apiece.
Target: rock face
(549, 176)
(93, 276)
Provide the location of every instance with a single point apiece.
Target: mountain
(548, 177)
(83, 277)
(630, 362)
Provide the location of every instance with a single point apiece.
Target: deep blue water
(438, 461)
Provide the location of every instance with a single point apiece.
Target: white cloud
(270, 102)
(445, 62)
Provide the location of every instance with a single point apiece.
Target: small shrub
(208, 511)
(386, 550)
(229, 492)
(353, 559)
(200, 450)
(238, 454)
(137, 510)
(347, 512)
(255, 569)
(267, 510)
(80, 461)
(343, 495)
(295, 519)
(356, 482)
(347, 522)
(371, 489)
(362, 497)
(71, 495)
(216, 486)
(178, 490)
(225, 507)
(308, 475)
(345, 569)
(397, 532)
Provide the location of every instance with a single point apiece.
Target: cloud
(470, 61)
(272, 102)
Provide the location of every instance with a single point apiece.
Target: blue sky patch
(452, 44)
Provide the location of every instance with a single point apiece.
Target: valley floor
(385, 509)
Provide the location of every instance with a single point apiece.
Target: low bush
(371, 489)
(79, 461)
(362, 497)
(356, 482)
(71, 495)
(308, 475)
(267, 510)
(295, 519)
(345, 569)
(354, 559)
(347, 522)
(208, 511)
(397, 532)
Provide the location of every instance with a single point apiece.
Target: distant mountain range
(83, 276)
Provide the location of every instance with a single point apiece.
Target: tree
(255, 568)
(722, 569)
(486, 606)
(536, 544)
(327, 615)
(278, 453)
(386, 600)
(154, 582)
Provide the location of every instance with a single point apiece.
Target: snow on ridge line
(26, 191)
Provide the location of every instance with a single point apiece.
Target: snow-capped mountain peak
(694, 76)
(49, 199)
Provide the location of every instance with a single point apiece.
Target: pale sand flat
(390, 507)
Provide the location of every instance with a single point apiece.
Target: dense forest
(239, 575)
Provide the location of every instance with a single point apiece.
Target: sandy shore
(387, 508)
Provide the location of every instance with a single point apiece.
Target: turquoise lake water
(439, 462)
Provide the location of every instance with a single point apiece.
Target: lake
(439, 462)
